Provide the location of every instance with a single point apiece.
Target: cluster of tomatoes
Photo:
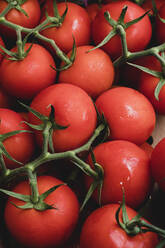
(93, 42)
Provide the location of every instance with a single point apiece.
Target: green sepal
(36, 127)
(122, 15)
(25, 198)
(6, 154)
(108, 18)
(49, 191)
(155, 10)
(162, 19)
(51, 118)
(158, 88)
(27, 205)
(62, 18)
(145, 69)
(10, 134)
(128, 24)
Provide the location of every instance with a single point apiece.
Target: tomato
(125, 165)
(159, 25)
(137, 35)
(158, 163)
(32, 9)
(76, 24)
(48, 228)
(5, 99)
(31, 75)
(73, 108)
(92, 10)
(102, 231)
(147, 85)
(92, 71)
(129, 114)
(20, 146)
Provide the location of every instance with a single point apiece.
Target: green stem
(6, 10)
(152, 228)
(125, 52)
(46, 133)
(33, 185)
(2, 164)
(19, 43)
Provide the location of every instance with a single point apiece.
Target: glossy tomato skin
(31, 75)
(31, 7)
(158, 163)
(129, 114)
(160, 26)
(43, 229)
(125, 165)
(76, 23)
(73, 108)
(20, 146)
(138, 35)
(92, 71)
(92, 10)
(102, 231)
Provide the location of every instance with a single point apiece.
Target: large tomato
(158, 163)
(138, 35)
(31, 75)
(76, 24)
(73, 108)
(33, 11)
(48, 228)
(129, 114)
(92, 71)
(102, 231)
(125, 165)
(20, 146)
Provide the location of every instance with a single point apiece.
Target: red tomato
(125, 165)
(92, 71)
(20, 146)
(73, 108)
(129, 114)
(147, 84)
(158, 164)
(76, 23)
(92, 10)
(32, 9)
(102, 231)
(160, 26)
(31, 75)
(138, 35)
(49, 228)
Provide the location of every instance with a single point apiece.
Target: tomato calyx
(16, 4)
(119, 27)
(157, 74)
(48, 125)
(137, 225)
(34, 200)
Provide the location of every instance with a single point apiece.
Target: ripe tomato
(129, 114)
(125, 165)
(158, 163)
(5, 99)
(73, 108)
(92, 71)
(160, 26)
(31, 75)
(49, 228)
(32, 9)
(76, 23)
(102, 231)
(20, 146)
(138, 35)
